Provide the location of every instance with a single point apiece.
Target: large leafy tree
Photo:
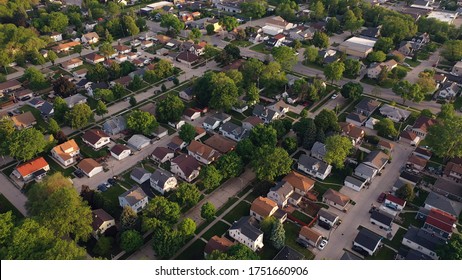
(230, 165)
(452, 50)
(187, 132)
(278, 237)
(141, 122)
(285, 56)
(172, 23)
(326, 120)
(272, 76)
(310, 134)
(6, 131)
(160, 209)
(208, 211)
(131, 240)
(166, 241)
(352, 90)
(386, 128)
(408, 91)
(252, 70)
(170, 109)
(229, 23)
(60, 108)
(25, 144)
(187, 195)
(337, 149)
(398, 27)
(318, 11)
(63, 87)
(444, 137)
(252, 94)
(187, 227)
(269, 163)
(262, 135)
(79, 116)
(224, 93)
(384, 44)
(128, 218)
(245, 150)
(254, 9)
(35, 78)
(101, 108)
(210, 177)
(310, 54)
(452, 250)
(320, 40)
(130, 25)
(352, 67)
(406, 192)
(334, 71)
(107, 50)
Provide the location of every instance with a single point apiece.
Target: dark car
(25, 98)
(78, 173)
(360, 250)
(171, 78)
(381, 197)
(111, 181)
(302, 243)
(324, 225)
(10, 114)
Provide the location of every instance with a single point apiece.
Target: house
(177, 144)
(124, 81)
(353, 132)
(365, 172)
(376, 159)
(318, 150)
(439, 78)
(283, 193)
(410, 178)
(310, 236)
(394, 202)
(222, 117)
(90, 38)
(56, 36)
(140, 175)
(115, 125)
(422, 241)
(328, 56)
(134, 198)
(36, 102)
(138, 142)
(24, 120)
(275, 41)
(9, 86)
(314, 167)
(368, 241)
(81, 73)
(187, 94)
(250, 122)
(442, 203)
(457, 68)
(203, 153)
(375, 69)
(101, 222)
(75, 99)
(191, 114)
(423, 153)
(146, 44)
(394, 113)
(222, 144)
(122, 49)
(453, 170)
(263, 207)
(233, 131)
(90, 25)
(163, 181)
(266, 114)
(94, 58)
(421, 126)
(34, 169)
(440, 224)
(279, 106)
(162, 154)
(160, 132)
(278, 22)
(383, 220)
(90, 167)
(23, 94)
(200, 132)
(121, 58)
(120, 151)
(211, 123)
(246, 232)
(72, 63)
(65, 47)
(416, 163)
(187, 58)
(357, 46)
(213, 21)
(47, 109)
(336, 199)
(371, 122)
(405, 47)
(301, 184)
(287, 253)
(354, 182)
(448, 90)
(366, 107)
(328, 217)
(371, 32)
(185, 166)
(96, 138)
(230, 7)
(132, 55)
(409, 137)
(356, 119)
(385, 146)
(419, 41)
(217, 243)
(301, 33)
(66, 153)
(348, 256)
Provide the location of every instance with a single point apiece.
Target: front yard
(261, 48)
(219, 229)
(193, 252)
(242, 209)
(111, 200)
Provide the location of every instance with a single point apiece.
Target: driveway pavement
(16, 197)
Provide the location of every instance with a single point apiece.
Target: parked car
(111, 181)
(324, 225)
(103, 187)
(334, 96)
(78, 173)
(381, 197)
(302, 243)
(25, 98)
(322, 244)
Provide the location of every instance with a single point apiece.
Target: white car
(322, 244)
(334, 96)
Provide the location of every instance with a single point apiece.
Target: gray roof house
(47, 109)
(266, 114)
(135, 198)
(393, 113)
(246, 231)
(356, 119)
(211, 123)
(114, 125)
(442, 203)
(163, 181)
(355, 183)
(75, 99)
(138, 142)
(318, 150)
(327, 217)
(376, 159)
(140, 175)
(233, 131)
(381, 219)
(365, 171)
(367, 240)
(314, 167)
(366, 107)
(422, 241)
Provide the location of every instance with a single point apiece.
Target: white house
(355, 183)
(120, 151)
(310, 236)
(202, 152)
(135, 198)
(314, 167)
(140, 175)
(368, 241)
(33, 169)
(283, 193)
(336, 199)
(138, 142)
(246, 232)
(66, 153)
(211, 123)
(422, 241)
(96, 138)
(328, 217)
(233, 131)
(163, 181)
(382, 220)
(365, 172)
(56, 36)
(263, 207)
(90, 38)
(102, 221)
(90, 167)
(185, 166)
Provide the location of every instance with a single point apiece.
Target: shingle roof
(263, 206)
(327, 215)
(442, 203)
(376, 159)
(367, 238)
(63, 150)
(311, 162)
(382, 218)
(161, 152)
(203, 150)
(367, 104)
(299, 181)
(336, 197)
(31, 166)
(99, 217)
(118, 149)
(187, 164)
(423, 123)
(23, 120)
(94, 135)
(422, 238)
(88, 164)
(287, 253)
(134, 195)
(247, 226)
(356, 117)
(221, 244)
(161, 176)
(310, 233)
(220, 143)
(138, 173)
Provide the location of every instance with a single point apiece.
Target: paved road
(358, 215)
(16, 197)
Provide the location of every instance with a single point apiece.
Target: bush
(372, 139)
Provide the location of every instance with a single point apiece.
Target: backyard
(242, 209)
(292, 231)
(219, 229)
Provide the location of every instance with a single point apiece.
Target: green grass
(313, 65)
(260, 48)
(55, 167)
(293, 115)
(268, 252)
(236, 122)
(241, 43)
(193, 252)
(383, 253)
(409, 219)
(37, 115)
(244, 191)
(396, 241)
(237, 115)
(242, 209)
(292, 231)
(5, 206)
(219, 229)
(112, 198)
(302, 217)
(458, 103)
(412, 63)
(228, 204)
(9, 70)
(420, 200)
(321, 103)
(202, 226)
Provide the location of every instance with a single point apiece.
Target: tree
(352, 67)
(187, 132)
(210, 29)
(118, 90)
(132, 101)
(106, 49)
(334, 71)
(376, 56)
(452, 50)
(172, 23)
(333, 25)
(230, 165)
(78, 49)
(113, 9)
(208, 211)
(326, 120)
(210, 176)
(63, 87)
(254, 9)
(187, 227)
(136, 83)
(141, 122)
(224, 93)
(60, 108)
(426, 82)
(272, 76)
(130, 25)
(52, 56)
(444, 138)
(337, 149)
(252, 94)
(229, 23)
(310, 54)
(309, 136)
(447, 112)
(285, 56)
(266, 226)
(57, 21)
(352, 90)
(290, 144)
(79, 116)
(103, 246)
(278, 237)
(170, 109)
(252, 70)
(451, 250)
(245, 149)
(25, 144)
(384, 44)
(282, 127)
(101, 108)
(97, 74)
(53, 127)
(241, 252)
(108, 36)
(287, 9)
(386, 128)
(160, 209)
(230, 53)
(105, 94)
(128, 218)
(5, 60)
(318, 11)
(408, 91)
(351, 22)
(270, 163)
(166, 241)
(187, 195)
(398, 27)
(262, 135)
(236, 76)
(130, 241)
(320, 40)
(35, 78)
(406, 192)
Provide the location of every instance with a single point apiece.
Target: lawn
(420, 197)
(396, 241)
(236, 121)
(54, 166)
(9, 70)
(268, 252)
(228, 204)
(383, 253)
(242, 209)
(241, 43)
(458, 103)
(237, 115)
(409, 219)
(293, 115)
(301, 216)
(5, 206)
(244, 191)
(112, 197)
(37, 115)
(313, 65)
(292, 231)
(219, 229)
(261, 48)
(88, 151)
(193, 252)
(411, 62)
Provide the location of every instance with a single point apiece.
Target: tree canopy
(337, 149)
(25, 144)
(141, 122)
(444, 137)
(170, 109)
(269, 162)
(285, 56)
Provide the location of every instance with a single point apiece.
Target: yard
(88, 151)
(193, 252)
(409, 219)
(6, 206)
(292, 231)
(219, 229)
(241, 43)
(411, 62)
(228, 204)
(242, 209)
(301, 216)
(37, 115)
(397, 239)
(420, 197)
(383, 253)
(55, 167)
(261, 48)
(111, 197)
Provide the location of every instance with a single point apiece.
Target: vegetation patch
(219, 229)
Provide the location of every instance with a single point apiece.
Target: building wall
(253, 245)
(419, 248)
(123, 155)
(353, 186)
(95, 171)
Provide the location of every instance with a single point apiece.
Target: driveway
(14, 195)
